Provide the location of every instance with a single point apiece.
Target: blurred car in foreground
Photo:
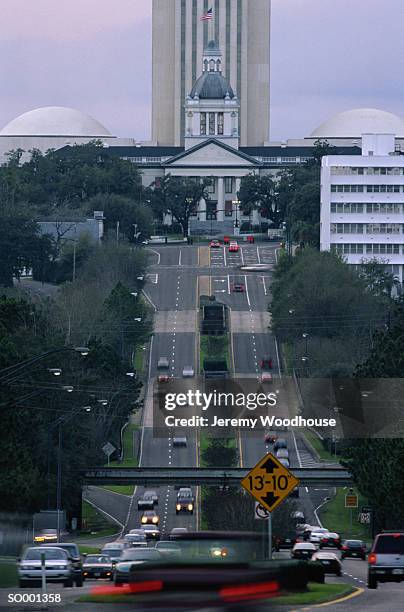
(303, 550)
(97, 567)
(330, 540)
(329, 561)
(177, 530)
(168, 548)
(131, 559)
(58, 568)
(386, 559)
(74, 556)
(185, 501)
(353, 548)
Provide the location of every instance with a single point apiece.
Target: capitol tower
(181, 31)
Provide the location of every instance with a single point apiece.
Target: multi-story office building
(241, 28)
(362, 204)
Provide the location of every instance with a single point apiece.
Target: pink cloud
(64, 20)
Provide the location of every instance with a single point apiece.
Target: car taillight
(345, 548)
(324, 539)
(372, 558)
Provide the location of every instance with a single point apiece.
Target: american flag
(208, 15)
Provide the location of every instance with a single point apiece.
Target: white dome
(354, 123)
(55, 121)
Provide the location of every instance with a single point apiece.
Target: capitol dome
(354, 123)
(212, 86)
(55, 121)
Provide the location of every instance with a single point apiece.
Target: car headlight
(190, 507)
(155, 520)
(178, 506)
(27, 567)
(144, 520)
(60, 567)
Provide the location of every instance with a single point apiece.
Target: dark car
(131, 559)
(386, 559)
(185, 501)
(150, 517)
(97, 567)
(287, 541)
(148, 500)
(353, 548)
(280, 443)
(330, 540)
(303, 550)
(329, 561)
(266, 363)
(75, 558)
(238, 288)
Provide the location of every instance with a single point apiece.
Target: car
(226, 239)
(58, 567)
(233, 247)
(179, 441)
(317, 535)
(163, 378)
(97, 567)
(185, 501)
(113, 550)
(266, 363)
(284, 462)
(353, 548)
(266, 377)
(168, 549)
(151, 532)
(188, 372)
(135, 540)
(282, 453)
(270, 438)
(299, 517)
(281, 542)
(280, 443)
(215, 244)
(74, 556)
(46, 535)
(150, 517)
(386, 559)
(163, 363)
(177, 531)
(256, 268)
(147, 501)
(330, 540)
(238, 287)
(303, 550)
(133, 557)
(329, 561)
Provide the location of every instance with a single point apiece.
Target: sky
(95, 55)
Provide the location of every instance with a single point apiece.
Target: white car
(58, 568)
(316, 536)
(188, 372)
(282, 453)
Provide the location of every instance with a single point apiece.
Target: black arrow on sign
(270, 499)
(269, 466)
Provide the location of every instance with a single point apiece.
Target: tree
(21, 245)
(178, 196)
(219, 453)
(132, 216)
(260, 192)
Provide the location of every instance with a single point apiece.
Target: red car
(266, 377)
(215, 244)
(163, 378)
(234, 247)
(270, 438)
(226, 239)
(238, 288)
(266, 363)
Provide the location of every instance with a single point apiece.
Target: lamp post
(236, 204)
(11, 371)
(305, 337)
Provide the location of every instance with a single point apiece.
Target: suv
(75, 558)
(386, 559)
(185, 501)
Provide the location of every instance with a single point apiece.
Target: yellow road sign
(351, 500)
(270, 482)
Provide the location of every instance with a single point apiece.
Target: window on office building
(203, 124)
(346, 228)
(383, 228)
(383, 208)
(228, 208)
(212, 185)
(346, 207)
(382, 249)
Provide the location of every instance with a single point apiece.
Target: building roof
(354, 123)
(236, 152)
(212, 86)
(55, 121)
(287, 151)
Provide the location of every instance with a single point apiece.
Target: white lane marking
(150, 356)
(156, 253)
(242, 256)
(263, 284)
(115, 520)
(277, 357)
(258, 255)
(224, 255)
(246, 291)
(180, 258)
(228, 284)
(148, 298)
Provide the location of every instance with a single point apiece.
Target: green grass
(95, 523)
(8, 574)
(318, 446)
(138, 362)
(287, 355)
(208, 351)
(336, 517)
(129, 459)
(316, 593)
(89, 550)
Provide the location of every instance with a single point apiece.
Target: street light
(68, 388)
(305, 337)
(138, 319)
(83, 350)
(134, 293)
(236, 204)
(103, 402)
(55, 371)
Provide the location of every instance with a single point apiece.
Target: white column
(202, 210)
(256, 217)
(220, 199)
